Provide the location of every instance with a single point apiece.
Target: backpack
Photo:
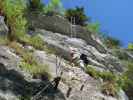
(84, 58)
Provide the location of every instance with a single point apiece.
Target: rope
(55, 84)
(38, 94)
(58, 66)
(58, 70)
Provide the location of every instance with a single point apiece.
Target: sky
(115, 16)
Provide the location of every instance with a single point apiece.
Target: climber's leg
(56, 82)
(69, 91)
(82, 86)
(81, 64)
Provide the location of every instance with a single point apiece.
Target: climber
(75, 57)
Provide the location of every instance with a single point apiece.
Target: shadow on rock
(14, 82)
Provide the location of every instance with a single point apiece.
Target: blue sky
(115, 16)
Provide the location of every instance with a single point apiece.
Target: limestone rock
(3, 27)
(61, 43)
(75, 78)
(58, 24)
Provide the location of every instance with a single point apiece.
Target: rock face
(3, 27)
(7, 57)
(76, 78)
(73, 77)
(60, 25)
(61, 43)
(123, 54)
(8, 62)
(16, 83)
(12, 80)
(50, 60)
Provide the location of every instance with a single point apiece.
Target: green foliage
(91, 71)
(111, 42)
(35, 5)
(94, 27)
(37, 42)
(16, 46)
(25, 39)
(24, 97)
(35, 68)
(55, 6)
(129, 72)
(111, 83)
(121, 55)
(79, 15)
(126, 81)
(3, 40)
(34, 41)
(110, 88)
(28, 62)
(106, 76)
(130, 46)
(27, 56)
(13, 10)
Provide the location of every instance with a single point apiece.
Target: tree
(94, 27)
(111, 42)
(36, 5)
(79, 15)
(14, 13)
(128, 80)
(55, 6)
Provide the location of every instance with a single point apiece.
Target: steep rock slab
(74, 77)
(63, 26)
(46, 59)
(15, 83)
(8, 58)
(61, 43)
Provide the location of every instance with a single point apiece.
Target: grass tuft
(3, 40)
(111, 84)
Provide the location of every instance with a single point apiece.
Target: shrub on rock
(79, 15)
